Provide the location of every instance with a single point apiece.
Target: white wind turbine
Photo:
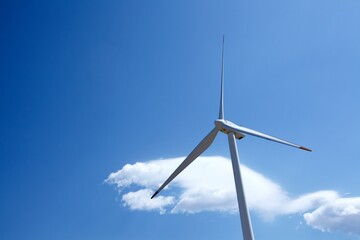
(233, 131)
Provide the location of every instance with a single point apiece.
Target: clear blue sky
(89, 86)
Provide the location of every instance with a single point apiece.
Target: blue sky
(90, 86)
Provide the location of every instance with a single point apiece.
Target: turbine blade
(200, 148)
(267, 137)
(221, 111)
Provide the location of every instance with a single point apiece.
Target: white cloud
(208, 185)
(140, 201)
(342, 214)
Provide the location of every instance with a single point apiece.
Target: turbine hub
(226, 127)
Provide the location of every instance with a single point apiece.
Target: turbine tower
(234, 132)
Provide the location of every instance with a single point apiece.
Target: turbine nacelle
(227, 127)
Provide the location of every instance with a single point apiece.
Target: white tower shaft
(244, 213)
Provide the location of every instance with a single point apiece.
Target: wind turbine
(233, 131)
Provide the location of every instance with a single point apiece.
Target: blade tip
(306, 149)
(154, 194)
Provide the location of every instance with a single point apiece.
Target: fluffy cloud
(208, 185)
(342, 214)
(139, 200)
